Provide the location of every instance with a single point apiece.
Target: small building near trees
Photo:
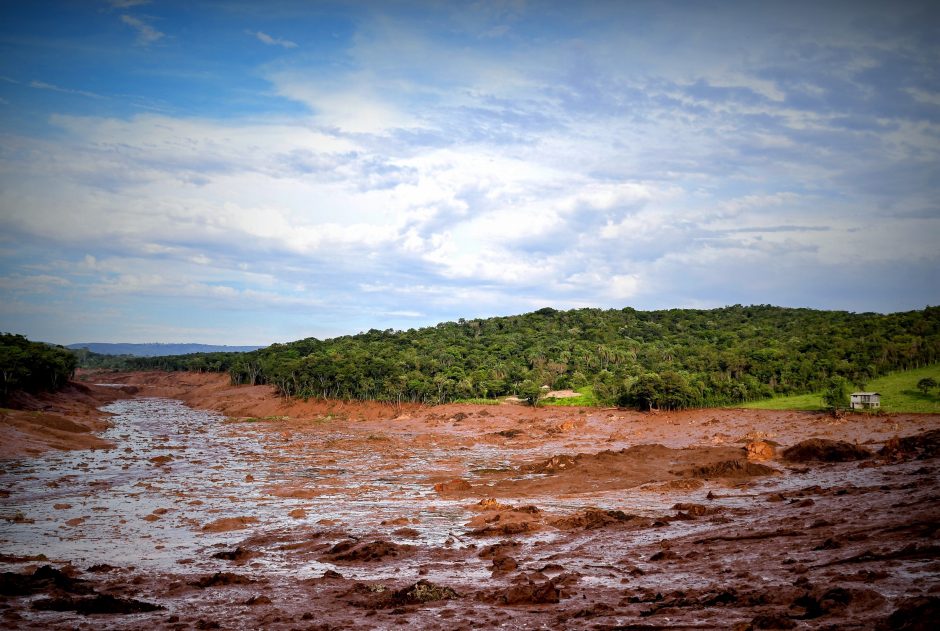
(865, 400)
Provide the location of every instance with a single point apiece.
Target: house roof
(857, 394)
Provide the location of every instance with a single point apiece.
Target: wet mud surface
(237, 509)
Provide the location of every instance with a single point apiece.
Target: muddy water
(177, 470)
(152, 507)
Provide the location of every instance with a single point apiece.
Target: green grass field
(587, 399)
(899, 393)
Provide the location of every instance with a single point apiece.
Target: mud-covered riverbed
(276, 515)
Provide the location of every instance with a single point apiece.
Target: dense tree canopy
(32, 366)
(663, 359)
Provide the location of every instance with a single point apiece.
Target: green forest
(668, 359)
(32, 366)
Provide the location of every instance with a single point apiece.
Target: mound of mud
(926, 445)
(529, 593)
(593, 518)
(824, 450)
(367, 552)
(221, 579)
(552, 465)
(100, 604)
(914, 614)
(730, 469)
(44, 578)
(509, 521)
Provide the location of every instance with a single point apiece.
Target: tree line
(667, 359)
(32, 366)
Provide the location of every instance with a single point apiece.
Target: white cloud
(273, 41)
(146, 34)
(42, 85)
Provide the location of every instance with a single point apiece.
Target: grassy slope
(899, 393)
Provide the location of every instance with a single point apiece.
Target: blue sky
(248, 172)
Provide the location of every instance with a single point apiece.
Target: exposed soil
(267, 513)
(60, 420)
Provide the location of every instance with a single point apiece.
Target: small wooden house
(865, 400)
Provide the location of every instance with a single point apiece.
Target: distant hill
(158, 350)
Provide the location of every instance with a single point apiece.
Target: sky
(242, 172)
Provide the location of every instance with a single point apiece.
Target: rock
(297, 513)
(760, 450)
(824, 450)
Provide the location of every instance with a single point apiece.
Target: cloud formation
(274, 41)
(484, 159)
(146, 34)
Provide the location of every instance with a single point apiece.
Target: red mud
(522, 518)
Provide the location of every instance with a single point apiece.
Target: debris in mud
(239, 555)
(510, 433)
(730, 469)
(101, 568)
(696, 510)
(592, 518)
(258, 600)
(824, 450)
(423, 592)
(926, 445)
(221, 579)
(760, 450)
(99, 604)
(552, 465)
(368, 552)
(490, 504)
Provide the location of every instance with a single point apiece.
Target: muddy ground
(243, 510)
